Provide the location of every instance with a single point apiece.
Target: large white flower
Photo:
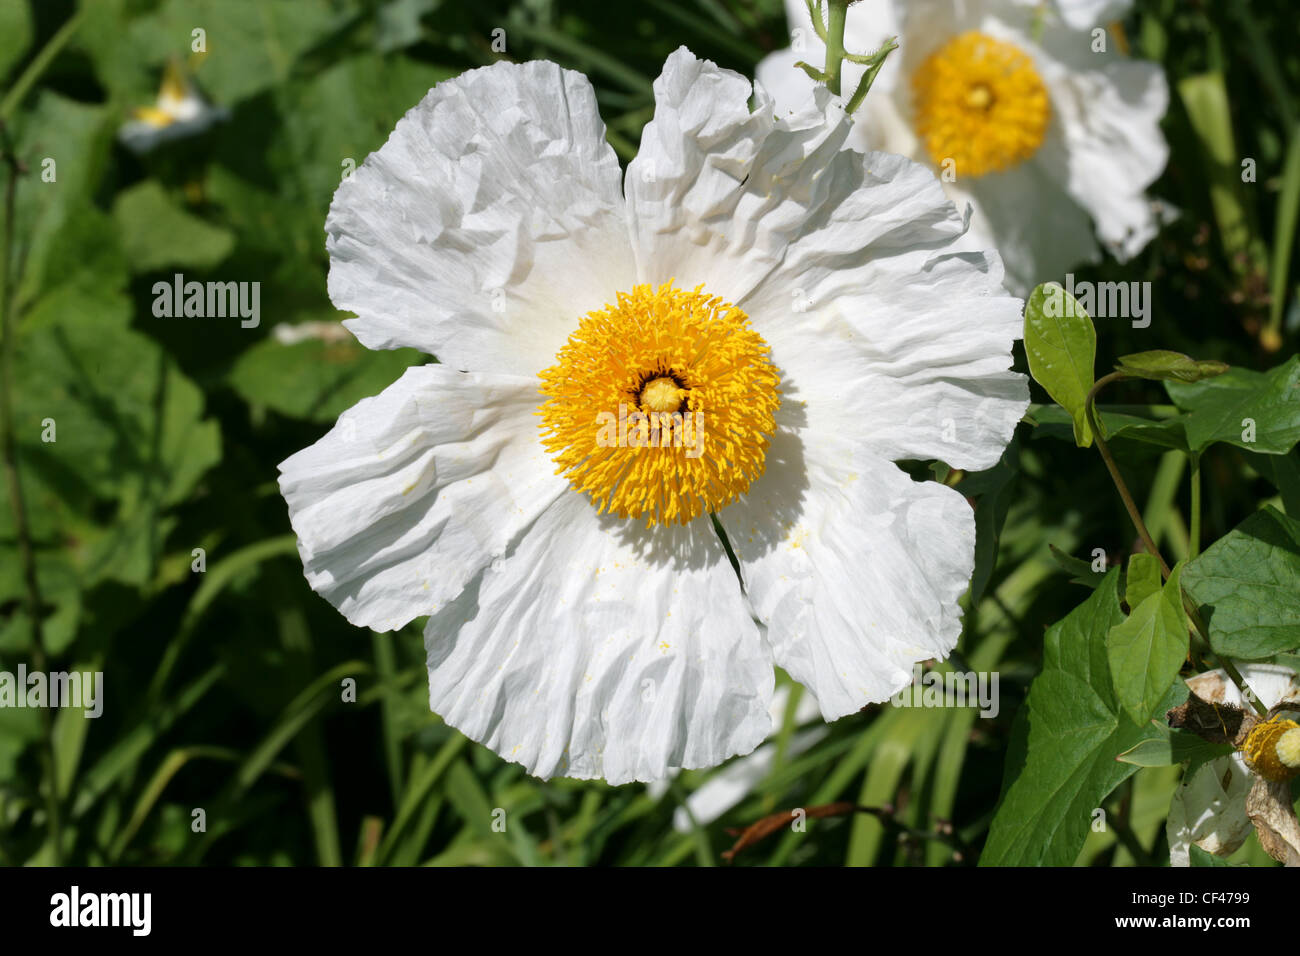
(1017, 108)
(819, 314)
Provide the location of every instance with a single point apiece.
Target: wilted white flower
(1209, 808)
(1029, 116)
(179, 111)
(796, 316)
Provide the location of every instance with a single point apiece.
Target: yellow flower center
(980, 104)
(1273, 749)
(661, 405)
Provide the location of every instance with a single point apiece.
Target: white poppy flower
(819, 314)
(1209, 807)
(178, 112)
(1007, 101)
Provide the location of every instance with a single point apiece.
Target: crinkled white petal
(889, 328)
(717, 193)
(487, 225)
(737, 780)
(890, 331)
(597, 648)
(855, 571)
(417, 489)
(1040, 231)
(1209, 810)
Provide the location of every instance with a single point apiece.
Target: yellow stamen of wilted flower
(981, 104)
(661, 405)
(1272, 749)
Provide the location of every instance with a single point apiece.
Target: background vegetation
(223, 688)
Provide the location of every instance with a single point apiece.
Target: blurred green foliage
(223, 687)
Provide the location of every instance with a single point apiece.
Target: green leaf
(341, 115)
(1173, 747)
(1076, 730)
(316, 380)
(1257, 411)
(157, 234)
(1080, 569)
(1142, 580)
(1248, 586)
(1052, 421)
(251, 45)
(128, 433)
(1061, 344)
(994, 489)
(1146, 650)
(1283, 472)
(66, 144)
(1201, 857)
(15, 33)
(1163, 365)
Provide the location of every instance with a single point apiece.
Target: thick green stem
(835, 44)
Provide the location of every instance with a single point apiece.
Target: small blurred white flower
(178, 112)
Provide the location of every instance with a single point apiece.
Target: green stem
(835, 44)
(1194, 548)
(1090, 408)
(1201, 635)
(39, 65)
(873, 63)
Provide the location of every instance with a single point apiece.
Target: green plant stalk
(1090, 409)
(874, 63)
(1200, 635)
(1194, 547)
(835, 44)
(39, 65)
(1288, 210)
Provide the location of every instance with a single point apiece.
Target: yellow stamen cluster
(1272, 749)
(661, 405)
(980, 104)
